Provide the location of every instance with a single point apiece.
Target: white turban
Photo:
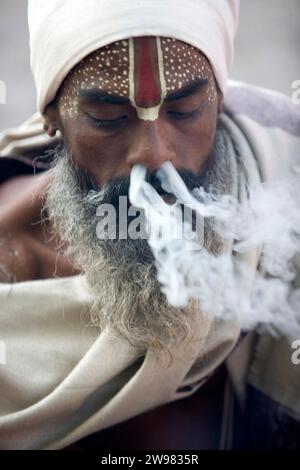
(63, 32)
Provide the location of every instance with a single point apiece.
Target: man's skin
(147, 118)
(27, 248)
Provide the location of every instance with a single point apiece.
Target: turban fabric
(63, 32)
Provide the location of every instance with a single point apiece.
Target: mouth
(168, 198)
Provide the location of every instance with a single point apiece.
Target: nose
(150, 146)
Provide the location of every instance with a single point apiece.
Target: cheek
(194, 141)
(207, 125)
(101, 156)
(199, 133)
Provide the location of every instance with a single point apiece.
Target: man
(124, 84)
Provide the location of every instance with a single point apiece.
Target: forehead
(143, 70)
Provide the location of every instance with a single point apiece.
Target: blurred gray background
(267, 52)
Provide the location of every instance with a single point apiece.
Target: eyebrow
(95, 96)
(102, 97)
(188, 90)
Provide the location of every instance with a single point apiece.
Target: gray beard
(121, 273)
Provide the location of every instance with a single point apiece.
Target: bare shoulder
(21, 198)
(28, 249)
(20, 202)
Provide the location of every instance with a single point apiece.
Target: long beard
(121, 273)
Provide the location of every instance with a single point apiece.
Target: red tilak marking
(148, 91)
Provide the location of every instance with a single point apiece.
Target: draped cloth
(63, 380)
(63, 32)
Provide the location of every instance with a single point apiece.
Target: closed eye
(107, 123)
(183, 115)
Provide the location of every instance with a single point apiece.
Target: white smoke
(264, 227)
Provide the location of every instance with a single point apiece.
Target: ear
(51, 119)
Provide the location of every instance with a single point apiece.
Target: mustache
(119, 186)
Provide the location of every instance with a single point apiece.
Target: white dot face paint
(104, 70)
(179, 71)
(143, 70)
